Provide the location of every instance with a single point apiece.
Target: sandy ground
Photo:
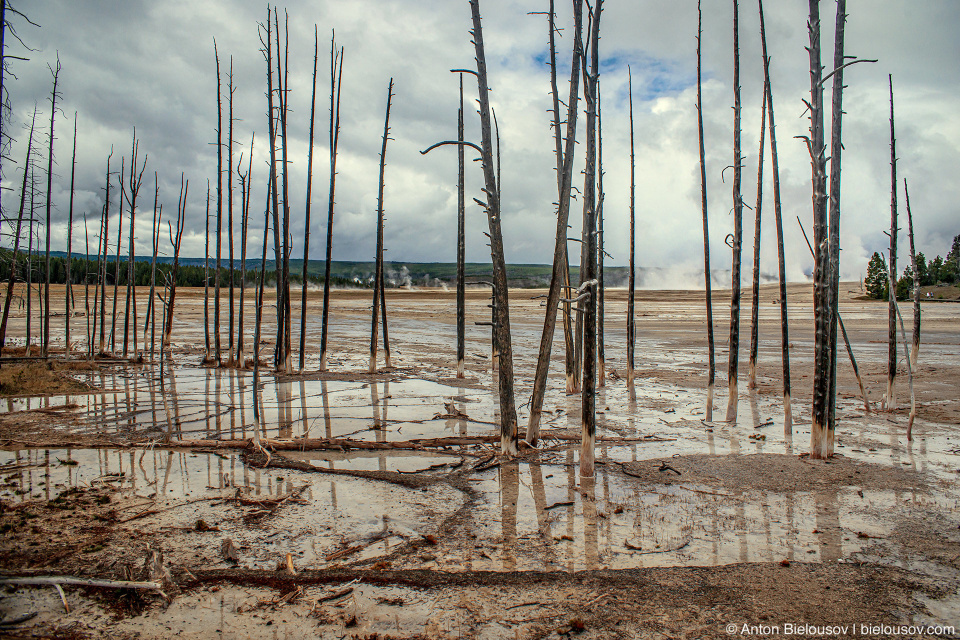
(689, 526)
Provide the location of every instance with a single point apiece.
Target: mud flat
(375, 506)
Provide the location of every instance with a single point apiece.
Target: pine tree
(876, 280)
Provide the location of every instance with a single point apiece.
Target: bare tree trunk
(45, 350)
(461, 242)
(273, 192)
(755, 300)
(246, 187)
(891, 403)
(135, 180)
(216, 278)
(734, 344)
(508, 410)
(632, 273)
(230, 361)
(601, 356)
(116, 270)
(916, 285)
(836, 147)
(707, 276)
(207, 357)
(589, 399)
(175, 241)
(913, 398)
(378, 270)
(33, 191)
(149, 318)
(784, 325)
(261, 280)
(286, 362)
(86, 283)
(16, 238)
(560, 272)
(306, 224)
(336, 73)
(103, 264)
(386, 331)
(67, 306)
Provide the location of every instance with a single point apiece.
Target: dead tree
(273, 192)
(306, 224)
(16, 238)
(246, 184)
(588, 402)
(45, 348)
(601, 356)
(68, 302)
(207, 356)
(711, 374)
(560, 273)
(216, 277)
(775, 165)
(284, 357)
(737, 239)
(86, 285)
(508, 410)
(336, 73)
(903, 334)
(230, 91)
(149, 318)
(632, 273)
(134, 181)
(102, 270)
(461, 242)
(916, 284)
(175, 241)
(116, 269)
(891, 403)
(378, 271)
(755, 300)
(31, 219)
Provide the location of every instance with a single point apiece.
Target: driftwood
(46, 581)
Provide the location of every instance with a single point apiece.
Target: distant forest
(939, 271)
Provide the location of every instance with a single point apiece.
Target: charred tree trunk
(378, 270)
(68, 302)
(230, 90)
(755, 300)
(632, 273)
(916, 284)
(461, 242)
(734, 344)
(336, 73)
(707, 276)
(175, 241)
(45, 350)
(589, 399)
(508, 410)
(246, 186)
(601, 356)
(135, 179)
(216, 277)
(560, 274)
(150, 316)
(105, 233)
(286, 360)
(775, 165)
(116, 269)
(892, 316)
(16, 238)
(208, 356)
(306, 224)
(836, 148)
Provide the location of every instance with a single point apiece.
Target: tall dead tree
(461, 242)
(273, 191)
(737, 240)
(775, 165)
(246, 185)
(135, 179)
(207, 355)
(560, 272)
(336, 73)
(16, 238)
(284, 356)
(116, 269)
(632, 273)
(230, 91)
(508, 410)
(68, 302)
(216, 278)
(149, 318)
(172, 282)
(102, 270)
(707, 276)
(378, 270)
(45, 349)
(916, 284)
(892, 315)
(306, 224)
(601, 355)
(589, 399)
(755, 300)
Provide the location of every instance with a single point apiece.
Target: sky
(150, 65)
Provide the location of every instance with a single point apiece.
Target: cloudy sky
(150, 65)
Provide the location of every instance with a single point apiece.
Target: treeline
(940, 271)
(85, 271)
